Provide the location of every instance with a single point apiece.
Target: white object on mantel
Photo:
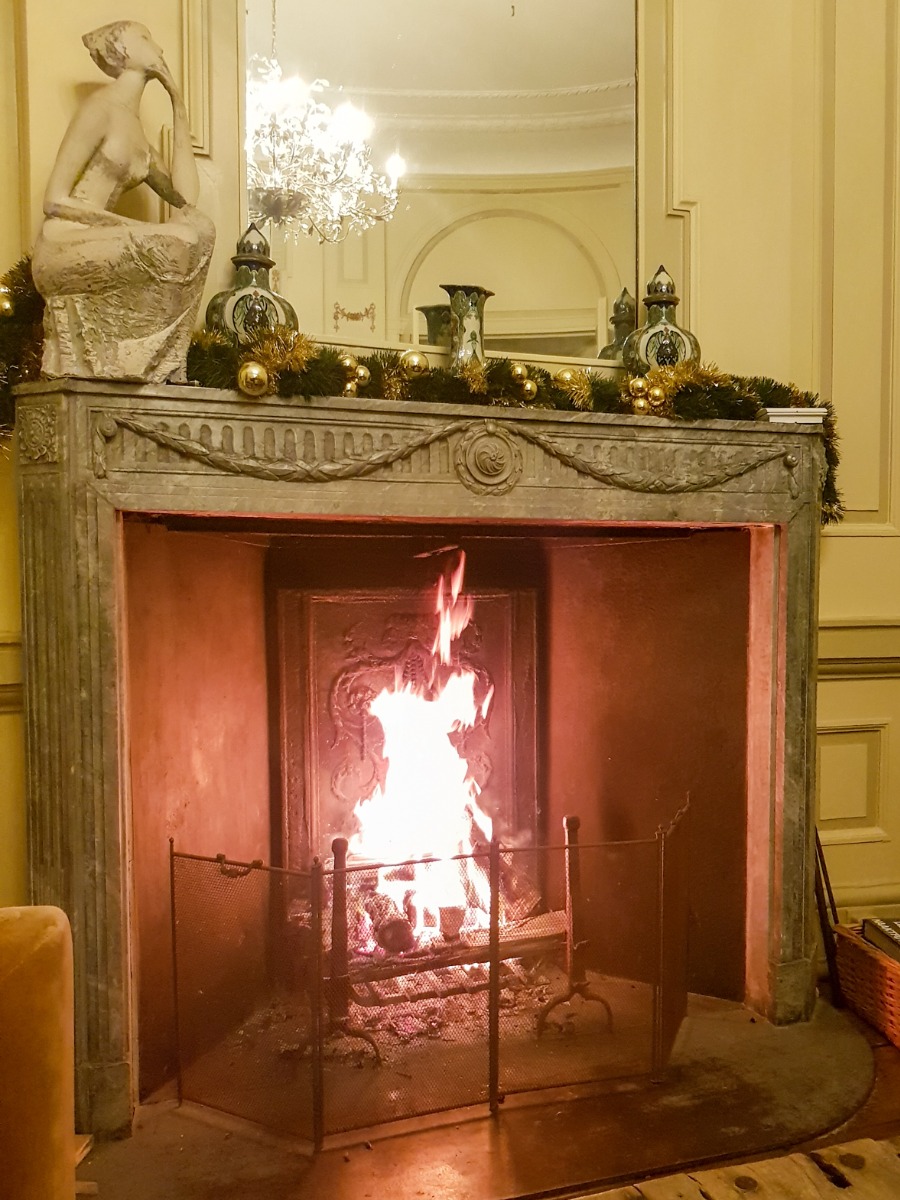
(798, 416)
(121, 295)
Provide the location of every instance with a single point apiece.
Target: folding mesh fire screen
(317, 1002)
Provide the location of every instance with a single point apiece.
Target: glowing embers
(426, 806)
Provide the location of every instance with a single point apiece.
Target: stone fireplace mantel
(89, 453)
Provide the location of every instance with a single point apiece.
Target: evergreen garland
(21, 336)
(298, 369)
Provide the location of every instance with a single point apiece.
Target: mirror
(516, 122)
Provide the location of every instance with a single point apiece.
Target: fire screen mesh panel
(410, 1009)
(580, 1006)
(320, 1002)
(674, 912)
(245, 991)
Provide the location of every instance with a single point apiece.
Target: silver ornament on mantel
(660, 342)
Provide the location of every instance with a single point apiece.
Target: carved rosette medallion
(488, 460)
(37, 434)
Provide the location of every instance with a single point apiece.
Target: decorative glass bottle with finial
(250, 306)
(623, 321)
(660, 342)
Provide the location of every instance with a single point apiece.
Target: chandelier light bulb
(351, 125)
(396, 168)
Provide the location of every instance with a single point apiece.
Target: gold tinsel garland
(394, 383)
(475, 377)
(704, 377)
(577, 386)
(279, 350)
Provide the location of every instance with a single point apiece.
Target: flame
(454, 610)
(428, 806)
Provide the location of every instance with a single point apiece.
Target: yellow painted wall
(12, 808)
(768, 171)
(777, 163)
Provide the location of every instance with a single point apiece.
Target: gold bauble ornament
(6, 305)
(640, 406)
(529, 389)
(519, 372)
(565, 377)
(253, 379)
(657, 397)
(363, 375)
(413, 364)
(348, 363)
(350, 388)
(638, 386)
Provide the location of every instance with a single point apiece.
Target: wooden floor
(861, 1170)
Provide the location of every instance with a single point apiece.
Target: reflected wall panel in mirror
(516, 124)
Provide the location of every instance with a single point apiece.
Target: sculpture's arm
(184, 177)
(83, 139)
(159, 179)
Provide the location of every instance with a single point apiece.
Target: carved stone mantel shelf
(152, 442)
(89, 451)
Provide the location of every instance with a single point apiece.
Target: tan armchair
(37, 1153)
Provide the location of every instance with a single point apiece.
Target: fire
(428, 807)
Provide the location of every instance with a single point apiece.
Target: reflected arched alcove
(554, 300)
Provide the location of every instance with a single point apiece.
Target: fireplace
(212, 585)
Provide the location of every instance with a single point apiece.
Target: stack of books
(883, 934)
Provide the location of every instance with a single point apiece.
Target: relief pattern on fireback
(377, 656)
(486, 456)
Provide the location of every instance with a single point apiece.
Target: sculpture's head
(125, 45)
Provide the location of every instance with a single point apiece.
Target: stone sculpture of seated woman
(121, 295)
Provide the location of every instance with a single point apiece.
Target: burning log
(519, 898)
(390, 927)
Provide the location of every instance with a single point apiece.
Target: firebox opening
(619, 662)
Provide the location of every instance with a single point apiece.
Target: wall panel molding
(850, 802)
(859, 648)
(11, 696)
(857, 335)
(666, 218)
(196, 72)
(860, 668)
(11, 699)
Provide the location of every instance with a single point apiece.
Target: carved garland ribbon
(503, 459)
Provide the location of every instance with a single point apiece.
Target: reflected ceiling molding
(502, 123)
(488, 94)
(497, 184)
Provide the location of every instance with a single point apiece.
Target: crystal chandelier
(309, 167)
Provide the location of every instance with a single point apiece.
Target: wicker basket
(870, 981)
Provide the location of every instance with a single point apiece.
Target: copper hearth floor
(737, 1087)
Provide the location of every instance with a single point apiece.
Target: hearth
(248, 578)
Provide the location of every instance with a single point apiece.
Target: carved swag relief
(486, 457)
